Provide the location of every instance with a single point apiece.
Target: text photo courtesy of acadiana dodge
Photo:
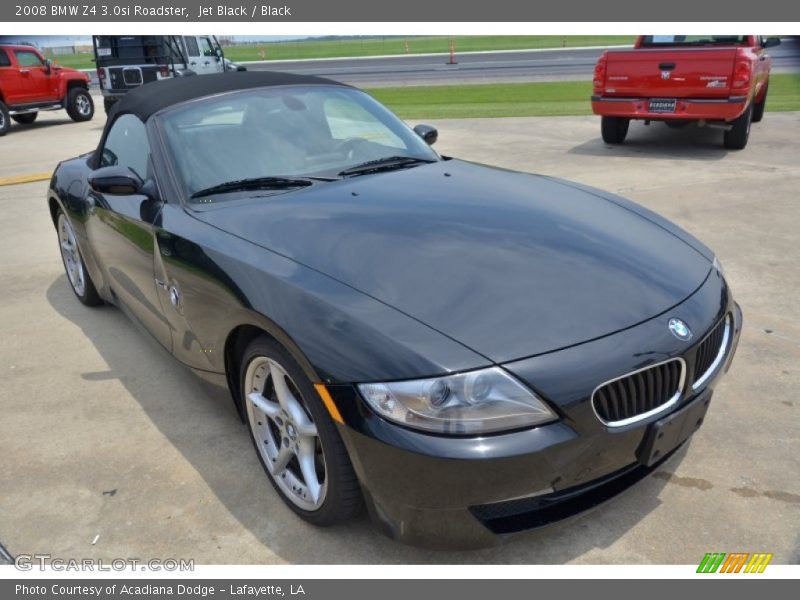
(194, 590)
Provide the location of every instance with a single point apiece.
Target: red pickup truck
(29, 83)
(713, 80)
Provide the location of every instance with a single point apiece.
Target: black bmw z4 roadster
(467, 351)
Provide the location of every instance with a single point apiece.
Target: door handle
(24, 71)
(161, 284)
(193, 63)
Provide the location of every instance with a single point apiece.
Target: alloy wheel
(71, 256)
(83, 105)
(285, 434)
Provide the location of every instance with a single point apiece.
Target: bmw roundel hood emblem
(680, 330)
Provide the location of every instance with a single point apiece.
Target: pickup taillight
(101, 77)
(742, 72)
(599, 79)
(164, 71)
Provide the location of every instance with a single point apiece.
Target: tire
(281, 429)
(80, 106)
(614, 129)
(758, 109)
(736, 138)
(108, 104)
(26, 119)
(5, 120)
(79, 279)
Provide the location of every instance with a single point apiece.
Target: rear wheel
(295, 438)
(758, 109)
(5, 122)
(26, 119)
(80, 106)
(614, 129)
(736, 137)
(79, 279)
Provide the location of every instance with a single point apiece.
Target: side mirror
(48, 66)
(771, 42)
(116, 181)
(150, 208)
(427, 133)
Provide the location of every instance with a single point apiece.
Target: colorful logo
(735, 562)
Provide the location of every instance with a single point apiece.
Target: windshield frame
(157, 122)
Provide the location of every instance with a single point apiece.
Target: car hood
(509, 264)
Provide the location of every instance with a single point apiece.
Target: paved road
(516, 66)
(103, 434)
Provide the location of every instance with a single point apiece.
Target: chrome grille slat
(710, 352)
(639, 394)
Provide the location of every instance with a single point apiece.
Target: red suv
(30, 83)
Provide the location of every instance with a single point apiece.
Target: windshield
(315, 132)
(693, 40)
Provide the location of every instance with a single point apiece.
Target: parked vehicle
(30, 83)
(470, 351)
(124, 62)
(712, 80)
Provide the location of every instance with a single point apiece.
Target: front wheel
(79, 279)
(295, 438)
(736, 137)
(80, 106)
(614, 129)
(26, 118)
(5, 119)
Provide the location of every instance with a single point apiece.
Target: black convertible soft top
(152, 97)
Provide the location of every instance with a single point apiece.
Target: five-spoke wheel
(288, 439)
(78, 278)
(295, 437)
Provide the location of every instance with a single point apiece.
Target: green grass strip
(545, 99)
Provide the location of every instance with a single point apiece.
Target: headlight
(484, 401)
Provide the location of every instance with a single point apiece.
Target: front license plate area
(662, 105)
(668, 433)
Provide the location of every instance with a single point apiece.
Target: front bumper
(724, 109)
(468, 492)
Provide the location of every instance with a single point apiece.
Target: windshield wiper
(387, 163)
(258, 183)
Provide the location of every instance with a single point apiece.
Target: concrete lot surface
(112, 449)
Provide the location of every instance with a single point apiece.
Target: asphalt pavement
(477, 67)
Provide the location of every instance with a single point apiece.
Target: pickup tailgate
(692, 72)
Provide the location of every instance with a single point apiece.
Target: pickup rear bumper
(722, 109)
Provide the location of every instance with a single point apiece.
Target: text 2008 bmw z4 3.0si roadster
(469, 351)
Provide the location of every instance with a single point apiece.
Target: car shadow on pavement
(98, 122)
(657, 140)
(207, 432)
